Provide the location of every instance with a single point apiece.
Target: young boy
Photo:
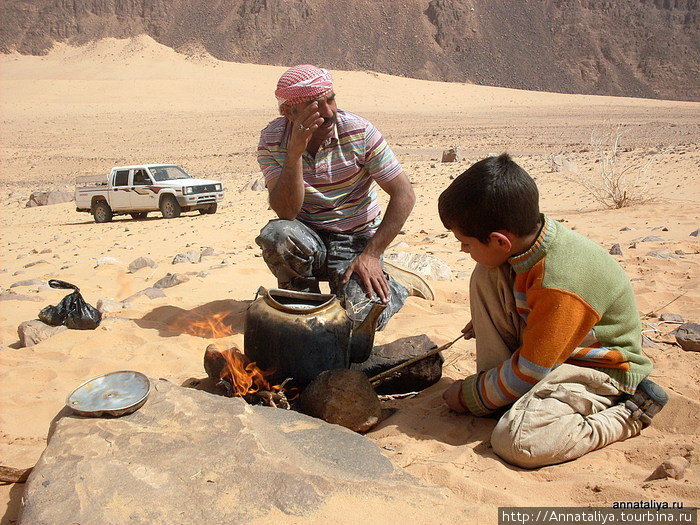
(558, 336)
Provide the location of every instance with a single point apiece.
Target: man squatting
(320, 165)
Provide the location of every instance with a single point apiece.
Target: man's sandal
(647, 401)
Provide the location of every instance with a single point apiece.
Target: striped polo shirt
(339, 190)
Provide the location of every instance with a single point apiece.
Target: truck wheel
(102, 212)
(169, 207)
(209, 210)
(139, 215)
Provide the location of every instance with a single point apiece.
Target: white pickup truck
(139, 189)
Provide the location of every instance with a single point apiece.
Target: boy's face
(492, 254)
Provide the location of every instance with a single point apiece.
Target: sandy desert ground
(80, 111)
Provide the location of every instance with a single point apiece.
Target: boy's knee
(514, 448)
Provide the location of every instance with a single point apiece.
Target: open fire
(232, 371)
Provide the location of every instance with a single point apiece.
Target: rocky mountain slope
(643, 48)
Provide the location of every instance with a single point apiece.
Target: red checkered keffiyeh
(301, 84)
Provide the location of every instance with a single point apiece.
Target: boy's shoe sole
(414, 283)
(647, 401)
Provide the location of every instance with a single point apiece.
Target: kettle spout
(362, 339)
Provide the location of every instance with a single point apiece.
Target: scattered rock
(207, 252)
(652, 238)
(616, 250)
(19, 297)
(34, 331)
(45, 198)
(342, 397)
(188, 257)
(428, 266)
(662, 254)
(451, 155)
(141, 262)
(276, 463)
(688, 336)
(170, 280)
(108, 306)
(696, 233)
(29, 265)
(674, 467)
(412, 378)
(107, 260)
(672, 318)
(30, 282)
(648, 343)
(256, 184)
(633, 246)
(626, 229)
(561, 163)
(46, 250)
(679, 252)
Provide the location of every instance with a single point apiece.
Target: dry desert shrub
(616, 182)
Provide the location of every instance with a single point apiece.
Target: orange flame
(212, 326)
(244, 375)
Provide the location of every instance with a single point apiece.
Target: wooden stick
(14, 475)
(380, 378)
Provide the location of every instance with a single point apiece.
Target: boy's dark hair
(493, 194)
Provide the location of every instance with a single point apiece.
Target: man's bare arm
(367, 265)
(287, 192)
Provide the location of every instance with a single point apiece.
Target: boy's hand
(453, 397)
(468, 331)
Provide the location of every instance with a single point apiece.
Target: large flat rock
(188, 456)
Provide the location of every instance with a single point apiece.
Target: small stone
(451, 155)
(141, 262)
(107, 260)
(661, 254)
(207, 252)
(679, 252)
(696, 233)
(34, 331)
(342, 397)
(30, 282)
(108, 306)
(688, 336)
(633, 246)
(202, 275)
(170, 280)
(675, 467)
(616, 250)
(29, 265)
(672, 318)
(626, 229)
(46, 250)
(651, 238)
(187, 257)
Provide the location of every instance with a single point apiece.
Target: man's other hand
(369, 269)
(452, 397)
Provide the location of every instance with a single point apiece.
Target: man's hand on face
(305, 122)
(369, 269)
(452, 397)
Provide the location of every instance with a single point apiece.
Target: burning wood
(232, 371)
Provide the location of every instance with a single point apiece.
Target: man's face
(328, 110)
(490, 254)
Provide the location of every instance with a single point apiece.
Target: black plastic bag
(72, 311)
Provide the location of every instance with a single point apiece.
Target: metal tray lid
(115, 393)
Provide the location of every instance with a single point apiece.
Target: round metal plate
(116, 394)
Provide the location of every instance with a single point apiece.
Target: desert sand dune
(80, 111)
